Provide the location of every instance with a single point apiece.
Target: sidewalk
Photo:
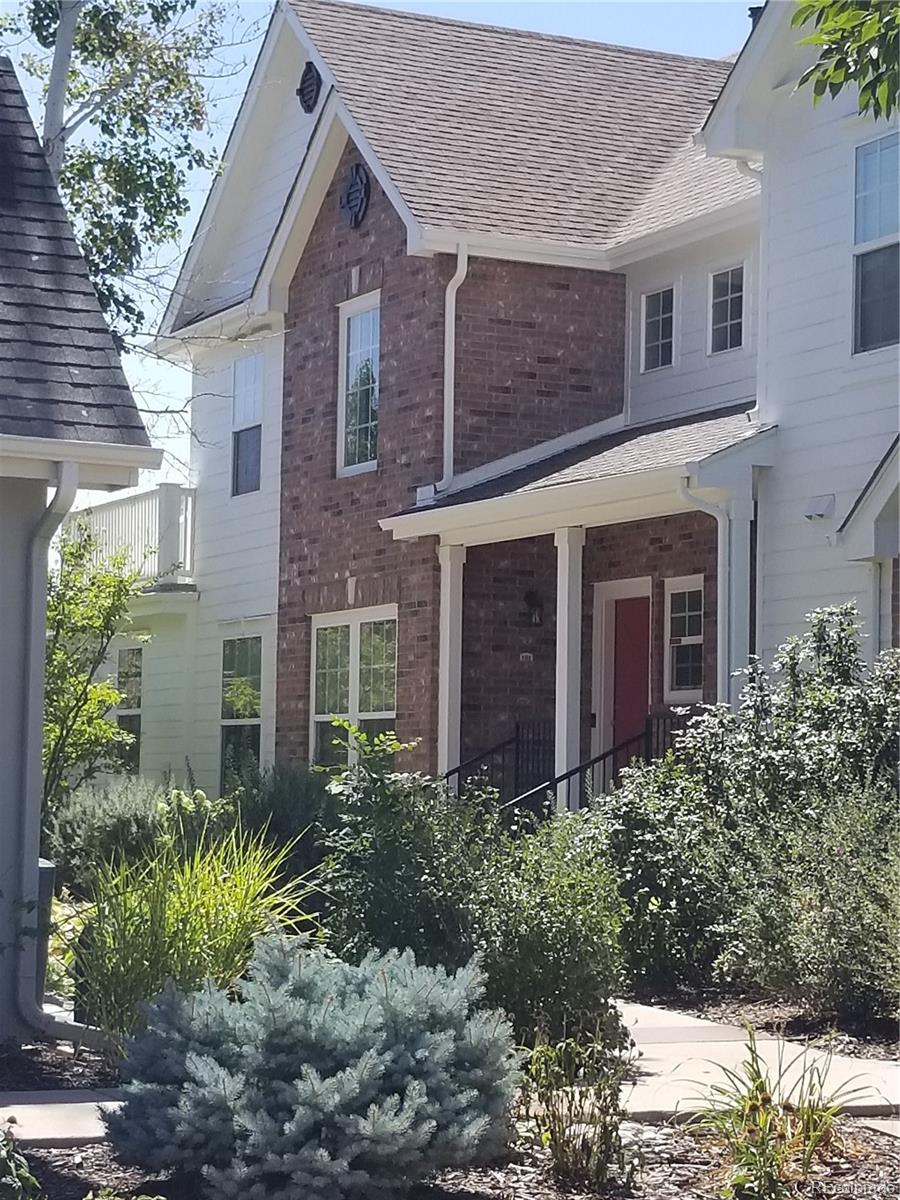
(61, 1120)
(681, 1056)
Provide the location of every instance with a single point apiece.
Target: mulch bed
(53, 1068)
(876, 1038)
(681, 1167)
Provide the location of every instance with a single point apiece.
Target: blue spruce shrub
(320, 1079)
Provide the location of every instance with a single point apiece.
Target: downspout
(30, 1013)
(462, 268)
(723, 584)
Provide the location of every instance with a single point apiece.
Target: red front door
(631, 667)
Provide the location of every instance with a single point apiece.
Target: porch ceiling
(633, 474)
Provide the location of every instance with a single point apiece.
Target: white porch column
(569, 554)
(739, 598)
(451, 559)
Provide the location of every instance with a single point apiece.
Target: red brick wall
(540, 352)
(333, 554)
(509, 664)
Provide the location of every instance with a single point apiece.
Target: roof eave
(103, 464)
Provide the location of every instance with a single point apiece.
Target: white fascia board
(514, 249)
(728, 468)
(739, 215)
(241, 320)
(857, 534)
(103, 464)
(633, 497)
(222, 182)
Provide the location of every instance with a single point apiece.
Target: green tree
(126, 87)
(859, 43)
(88, 598)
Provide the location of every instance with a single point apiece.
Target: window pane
(128, 677)
(247, 388)
(361, 388)
(877, 214)
(240, 750)
(687, 667)
(325, 752)
(653, 306)
(719, 338)
(332, 692)
(377, 666)
(877, 308)
(130, 756)
(658, 327)
(241, 678)
(245, 465)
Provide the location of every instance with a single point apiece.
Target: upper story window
(684, 640)
(241, 700)
(727, 314)
(246, 424)
(129, 675)
(876, 267)
(658, 329)
(358, 379)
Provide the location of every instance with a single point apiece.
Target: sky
(707, 28)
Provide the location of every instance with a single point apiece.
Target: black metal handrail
(510, 766)
(479, 763)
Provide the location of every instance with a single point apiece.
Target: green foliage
(131, 130)
(773, 1124)
(88, 596)
(16, 1180)
(319, 1079)
(574, 1094)
(418, 867)
(859, 43)
(731, 852)
(180, 918)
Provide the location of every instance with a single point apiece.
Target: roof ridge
(512, 31)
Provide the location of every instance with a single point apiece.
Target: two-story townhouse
(500, 314)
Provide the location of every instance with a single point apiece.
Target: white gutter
(30, 1013)
(462, 268)
(723, 583)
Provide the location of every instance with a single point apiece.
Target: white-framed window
(359, 371)
(241, 699)
(876, 249)
(657, 329)
(683, 641)
(129, 681)
(726, 328)
(354, 676)
(246, 424)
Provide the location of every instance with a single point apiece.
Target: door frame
(603, 655)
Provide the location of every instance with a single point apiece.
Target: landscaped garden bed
(52, 1068)
(679, 1167)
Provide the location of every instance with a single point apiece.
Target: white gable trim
(859, 533)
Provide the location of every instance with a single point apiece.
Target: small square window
(245, 460)
(659, 310)
(727, 330)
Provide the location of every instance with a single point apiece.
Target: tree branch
(54, 107)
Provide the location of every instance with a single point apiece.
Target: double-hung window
(129, 672)
(358, 381)
(246, 424)
(683, 667)
(658, 336)
(876, 251)
(241, 694)
(727, 313)
(354, 676)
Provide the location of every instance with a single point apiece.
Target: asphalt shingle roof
(502, 131)
(627, 452)
(60, 374)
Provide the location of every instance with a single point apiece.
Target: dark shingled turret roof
(60, 374)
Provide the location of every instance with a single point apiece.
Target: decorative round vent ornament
(310, 86)
(355, 196)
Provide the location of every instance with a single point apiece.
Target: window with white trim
(354, 676)
(658, 329)
(727, 310)
(246, 424)
(683, 683)
(876, 251)
(129, 677)
(241, 700)
(358, 381)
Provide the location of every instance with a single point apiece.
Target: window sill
(358, 469)
(682, 699)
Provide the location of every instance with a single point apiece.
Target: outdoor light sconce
(534, 606)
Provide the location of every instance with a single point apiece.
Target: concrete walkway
(681, 1057)
(61, 1120)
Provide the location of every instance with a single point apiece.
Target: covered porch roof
(631, 473)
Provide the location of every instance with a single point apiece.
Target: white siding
(836, 412)
(697, 379)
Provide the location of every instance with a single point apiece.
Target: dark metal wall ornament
(355, 196)
(310, 87)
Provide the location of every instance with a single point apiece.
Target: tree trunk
(55, 105)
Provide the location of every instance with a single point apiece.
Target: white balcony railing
(156, 529)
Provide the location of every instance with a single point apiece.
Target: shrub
(574, 1093)
(319, 1079)
(180, 919)
(16, 1180)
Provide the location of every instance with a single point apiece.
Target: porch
(587, 594)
